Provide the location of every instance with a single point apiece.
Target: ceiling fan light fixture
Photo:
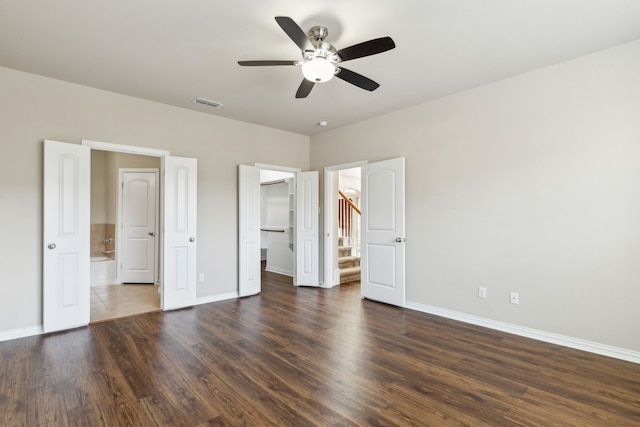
(318, 70)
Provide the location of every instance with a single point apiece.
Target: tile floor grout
(113, 301)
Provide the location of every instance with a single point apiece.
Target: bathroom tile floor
(113, 301)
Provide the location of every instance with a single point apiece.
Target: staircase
(349, 265)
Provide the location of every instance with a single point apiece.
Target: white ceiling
(172, 51)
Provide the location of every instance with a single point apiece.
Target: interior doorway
(276, 221)
(124, 225)
(382, 231)
(303, 225)
(348, 225)
(342, 224)
(66, 301)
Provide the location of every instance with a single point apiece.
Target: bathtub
(102, 271)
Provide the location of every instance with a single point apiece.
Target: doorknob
(192, 239)
(400, 239)
(51, 245)
(150, 233)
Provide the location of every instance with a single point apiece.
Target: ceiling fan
(320, 59)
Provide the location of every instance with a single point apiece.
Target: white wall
(99, 181)
(115, 161)
(530, 184)
(35, 108)
(275, 198)
(104, 181)
(349, 178)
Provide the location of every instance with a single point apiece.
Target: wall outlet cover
(514, 298)
(482, 292)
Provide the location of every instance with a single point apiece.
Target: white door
(306, 271)
(248, 230)
(137, 257)
(66, 237)
(383, 235)
(180, 231)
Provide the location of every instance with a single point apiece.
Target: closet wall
(274, 239)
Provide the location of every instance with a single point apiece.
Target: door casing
(248, 220)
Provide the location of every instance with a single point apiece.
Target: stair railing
(348, 223)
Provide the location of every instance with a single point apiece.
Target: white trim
(589, 346)
(346, 165)
(216, 298)
(329, 207)
(21, 333)
(38, 330)
(563, 340)
(276, 168)
(120, 148)
(279, 271)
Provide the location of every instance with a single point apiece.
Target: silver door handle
(400, 239)
(51, 245)
(192, 239)
(151, 233)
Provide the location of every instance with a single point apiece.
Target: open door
(66, 235)
(248, 230)
(383, 234)
(306, 230)
(180, 231)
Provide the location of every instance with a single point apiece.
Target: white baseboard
(38, 330)
(216, 298)
(579, 344)
(279, 271)
(21, 333)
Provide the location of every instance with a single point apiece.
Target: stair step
(351, 274)
(349, 270)
(348, 261)
(344, 251)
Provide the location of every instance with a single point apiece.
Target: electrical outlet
(482, 292)
(201, 277)
(513, 297)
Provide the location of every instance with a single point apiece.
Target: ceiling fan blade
(305, 88)
(294, 32)
(267, 62)
(357, 79)
(367, 48)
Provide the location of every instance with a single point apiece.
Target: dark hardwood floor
(304, 356)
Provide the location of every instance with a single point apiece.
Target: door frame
(330, 221)
(262, 166)
(120, 219)
(141, 151)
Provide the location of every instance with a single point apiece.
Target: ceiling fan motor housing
(321, 49)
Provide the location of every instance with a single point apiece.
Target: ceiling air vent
(213, 104)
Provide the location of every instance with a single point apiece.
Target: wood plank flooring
(306, 357)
